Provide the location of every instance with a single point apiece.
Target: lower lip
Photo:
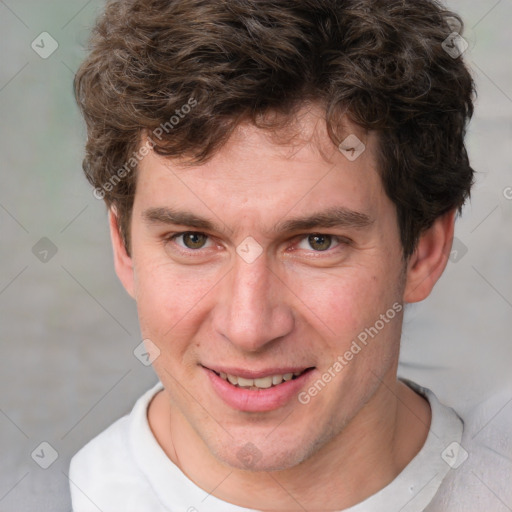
(261, 400)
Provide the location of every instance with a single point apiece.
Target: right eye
(191, 240)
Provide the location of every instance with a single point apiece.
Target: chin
(265, 454)
(245, 460)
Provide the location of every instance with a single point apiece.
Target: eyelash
(174, 236)
(339, 240)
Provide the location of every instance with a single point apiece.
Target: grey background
(68, 329)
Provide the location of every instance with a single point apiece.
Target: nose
(253, 307)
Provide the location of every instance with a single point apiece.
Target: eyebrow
(169, 216)
(330, 218)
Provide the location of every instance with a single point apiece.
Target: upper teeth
(261, 383)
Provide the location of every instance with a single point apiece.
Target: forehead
(257, 174)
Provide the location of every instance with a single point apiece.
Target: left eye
(191, 240)
(317, 242)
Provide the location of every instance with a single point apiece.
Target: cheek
(170, 301)
(344, 303)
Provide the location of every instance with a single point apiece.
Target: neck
(372, 449)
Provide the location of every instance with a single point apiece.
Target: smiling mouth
(270, 381)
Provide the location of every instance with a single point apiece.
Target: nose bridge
(254, 311)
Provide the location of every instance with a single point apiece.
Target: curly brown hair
(190, 71)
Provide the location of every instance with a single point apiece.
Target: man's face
(270, 259)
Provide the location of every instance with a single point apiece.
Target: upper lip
(256, 374)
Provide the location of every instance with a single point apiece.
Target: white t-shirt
(124, 469)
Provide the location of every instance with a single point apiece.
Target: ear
(429, 260)
(122, 261)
